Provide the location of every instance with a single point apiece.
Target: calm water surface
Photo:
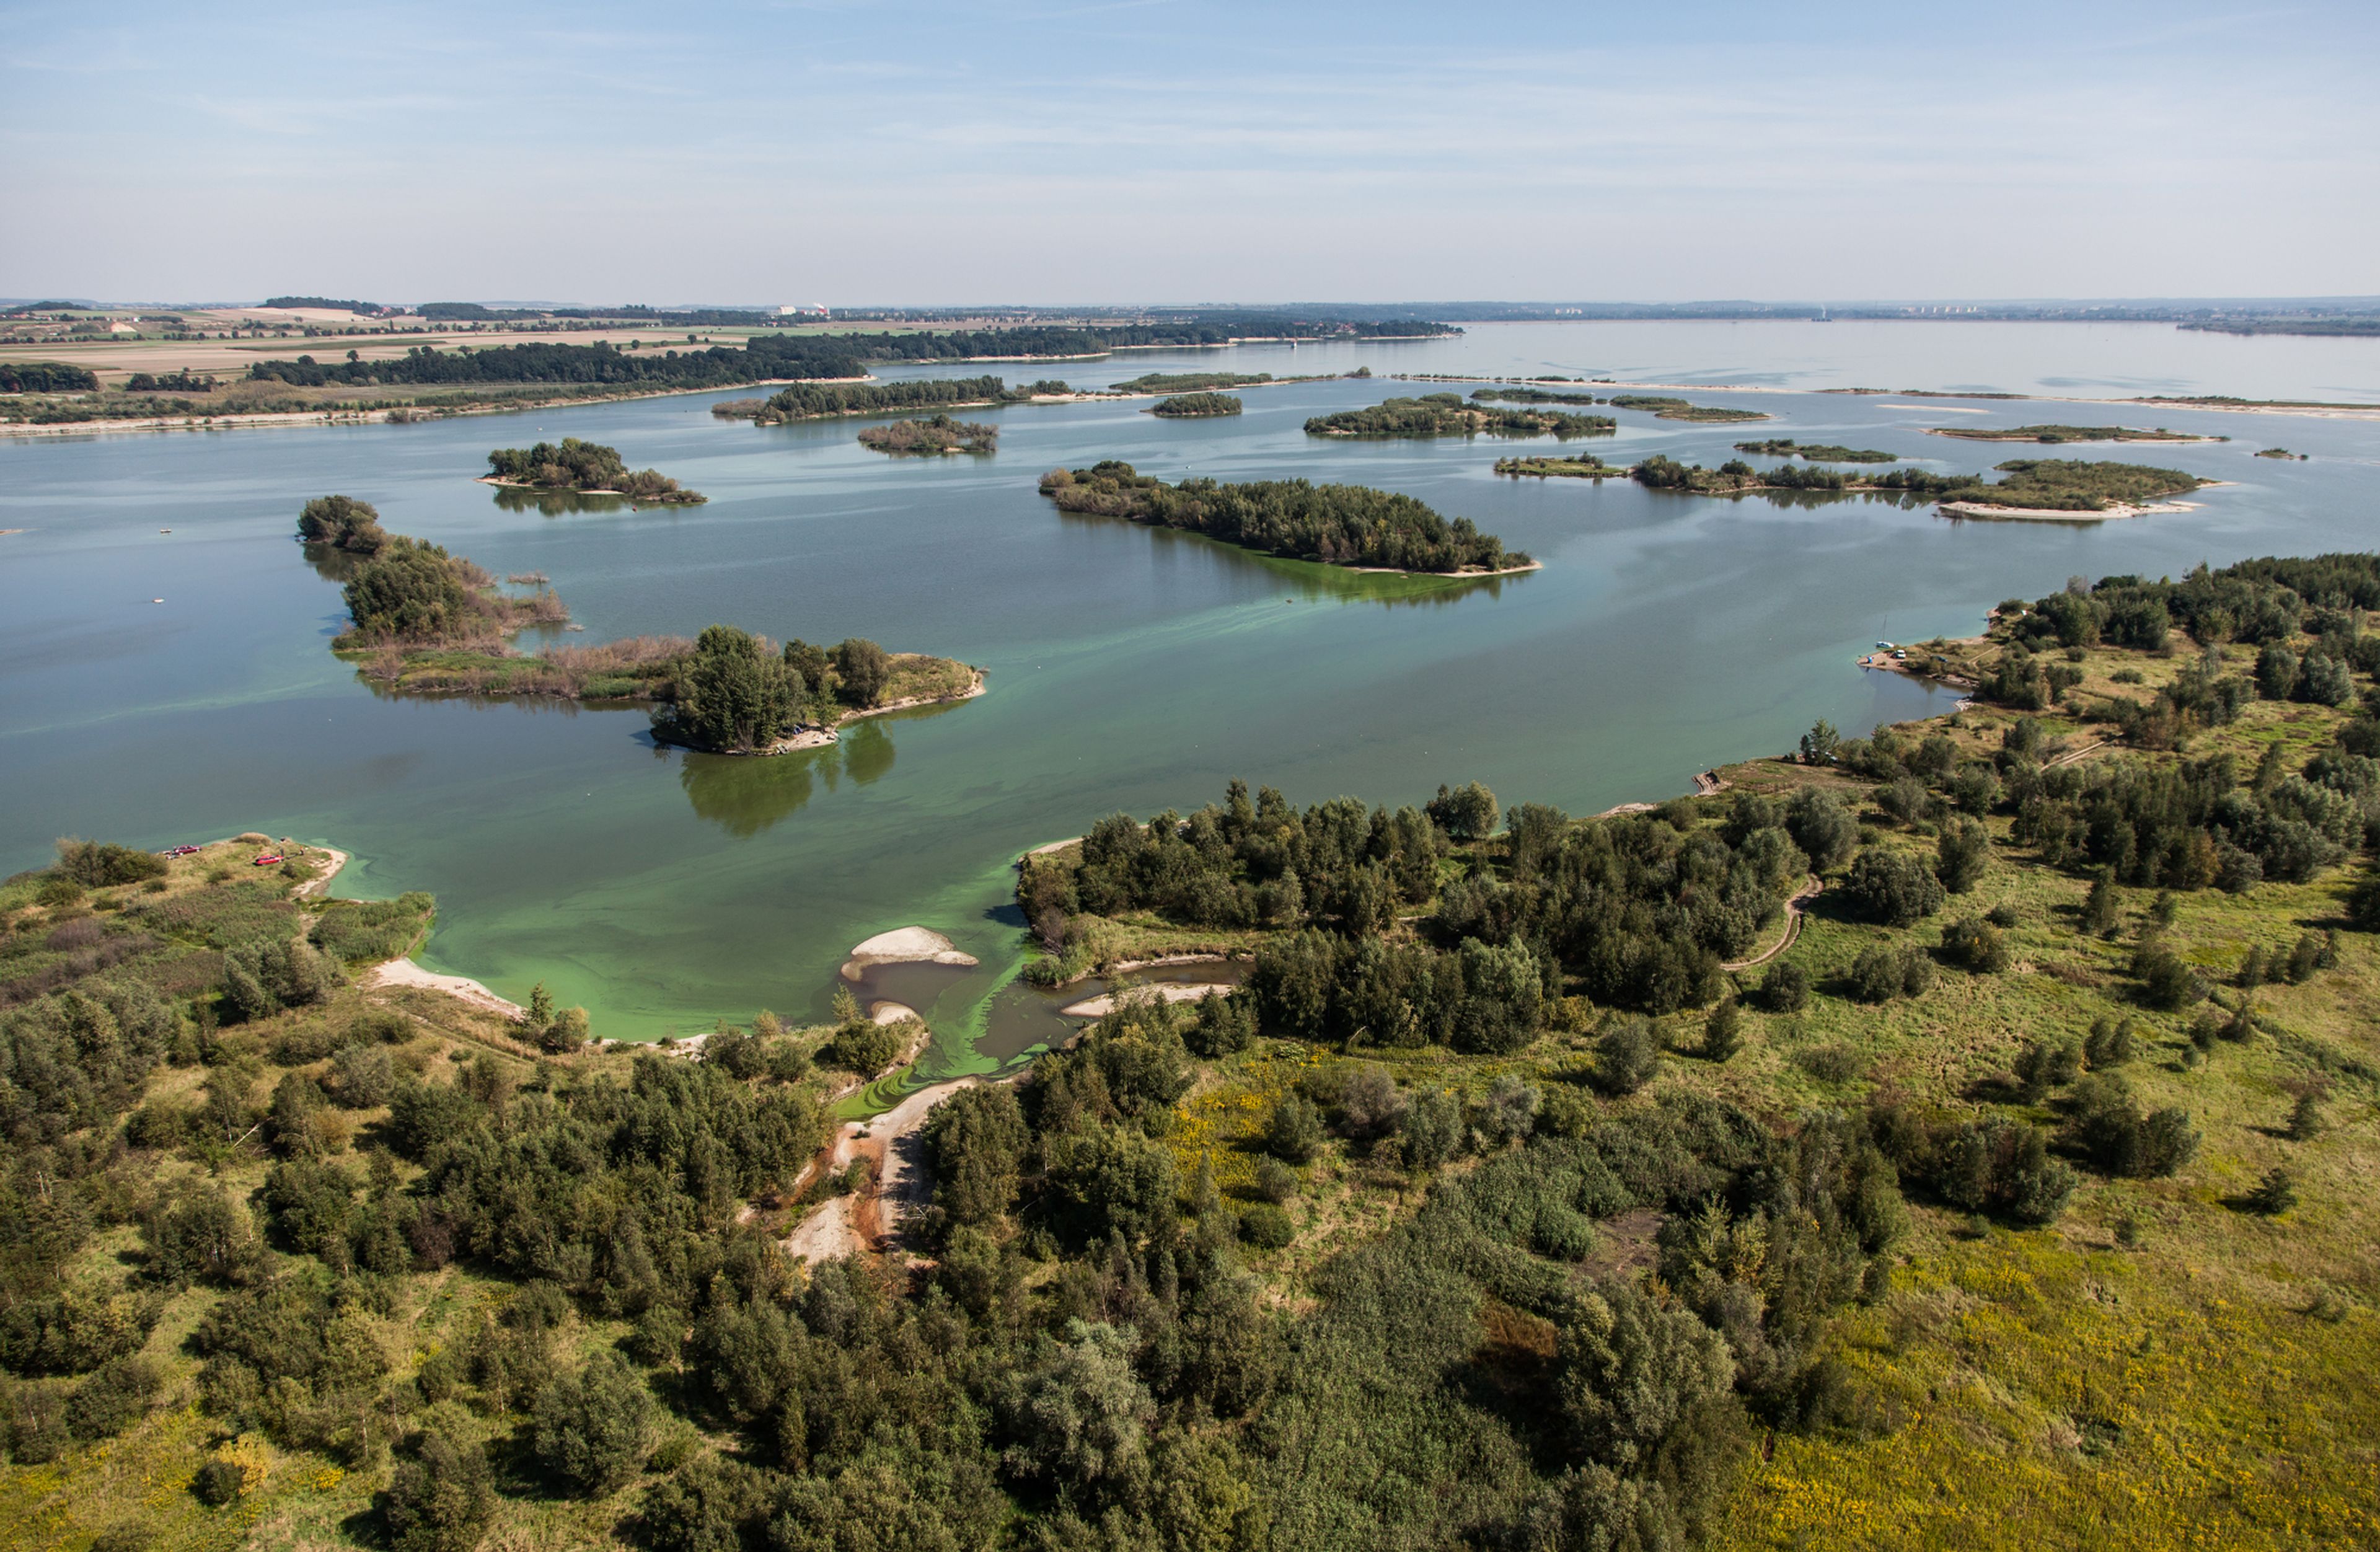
(1130, 669)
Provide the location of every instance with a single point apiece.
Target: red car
(179, 851)
(267, 861)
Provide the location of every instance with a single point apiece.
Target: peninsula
(936, 434)
(1336, 525)
(586, 468)
(1440, 415)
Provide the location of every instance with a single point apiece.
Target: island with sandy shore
(587, 468)
(2050, 488)
(1351, 525)
(1195, 406)
(1666, 408)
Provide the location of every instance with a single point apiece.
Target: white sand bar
(905, 945)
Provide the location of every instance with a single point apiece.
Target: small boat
(268, 861)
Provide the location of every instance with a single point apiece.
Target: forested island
(1336, 525)
(1185, 407)
(586, 467)
(937, 434)
(1983, 1102)
(817, 401)
(1663, 408)
(1533, 396)
(1439, 415)
(1818, 453)
(423, 621)
(2054, 434)
(1580, 465)
(1192, 382)
(2032, 485)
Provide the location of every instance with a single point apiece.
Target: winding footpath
(1811, 885)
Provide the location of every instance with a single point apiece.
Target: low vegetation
(934, 435)
(1533, 396)
(587, 467)
(1337, 525)
(1439, 415)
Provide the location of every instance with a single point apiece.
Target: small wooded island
(2034, 487)
(424, 622)
(2054, 434)
(936, 434)
(1816, 453)
(1665, 408)
(587, 468)
(1337, 525)
(1439, 415)
(1192, 406)
(824, 401)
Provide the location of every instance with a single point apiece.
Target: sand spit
(403, 972)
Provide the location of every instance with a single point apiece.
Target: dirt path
(1809, 890)
(867, 1219)
(2070, 756)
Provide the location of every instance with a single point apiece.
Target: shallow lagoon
(1129, 668)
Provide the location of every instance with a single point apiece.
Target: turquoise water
(1128, 668)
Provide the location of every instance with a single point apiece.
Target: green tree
(1822, 827)
(1294, 1131)
(732, 695)
(592, 1427)
(1627, 1055)
(1079, 1414)
(1468, 813)
(863, 669)
(1963, 849)
(1820, 744)
(1723, 1031)
(1893, 887)
(440, 1499)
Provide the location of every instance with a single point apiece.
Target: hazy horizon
(1144, 154)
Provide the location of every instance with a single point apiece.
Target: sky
(1036, 152)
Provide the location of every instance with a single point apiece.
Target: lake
(1129, 669)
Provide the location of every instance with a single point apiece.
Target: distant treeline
(1192, 405)
(1438, 415)
(814, 401)
(326, 304)
(1338, 524)
(171, 383)
(45, 377)
(783, 356)
(585, 466)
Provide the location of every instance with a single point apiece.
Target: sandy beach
(1101, 1006)
(403, 972)
(905, 945)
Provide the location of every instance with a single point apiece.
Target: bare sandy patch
(1101, 1006)
(403, 972)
